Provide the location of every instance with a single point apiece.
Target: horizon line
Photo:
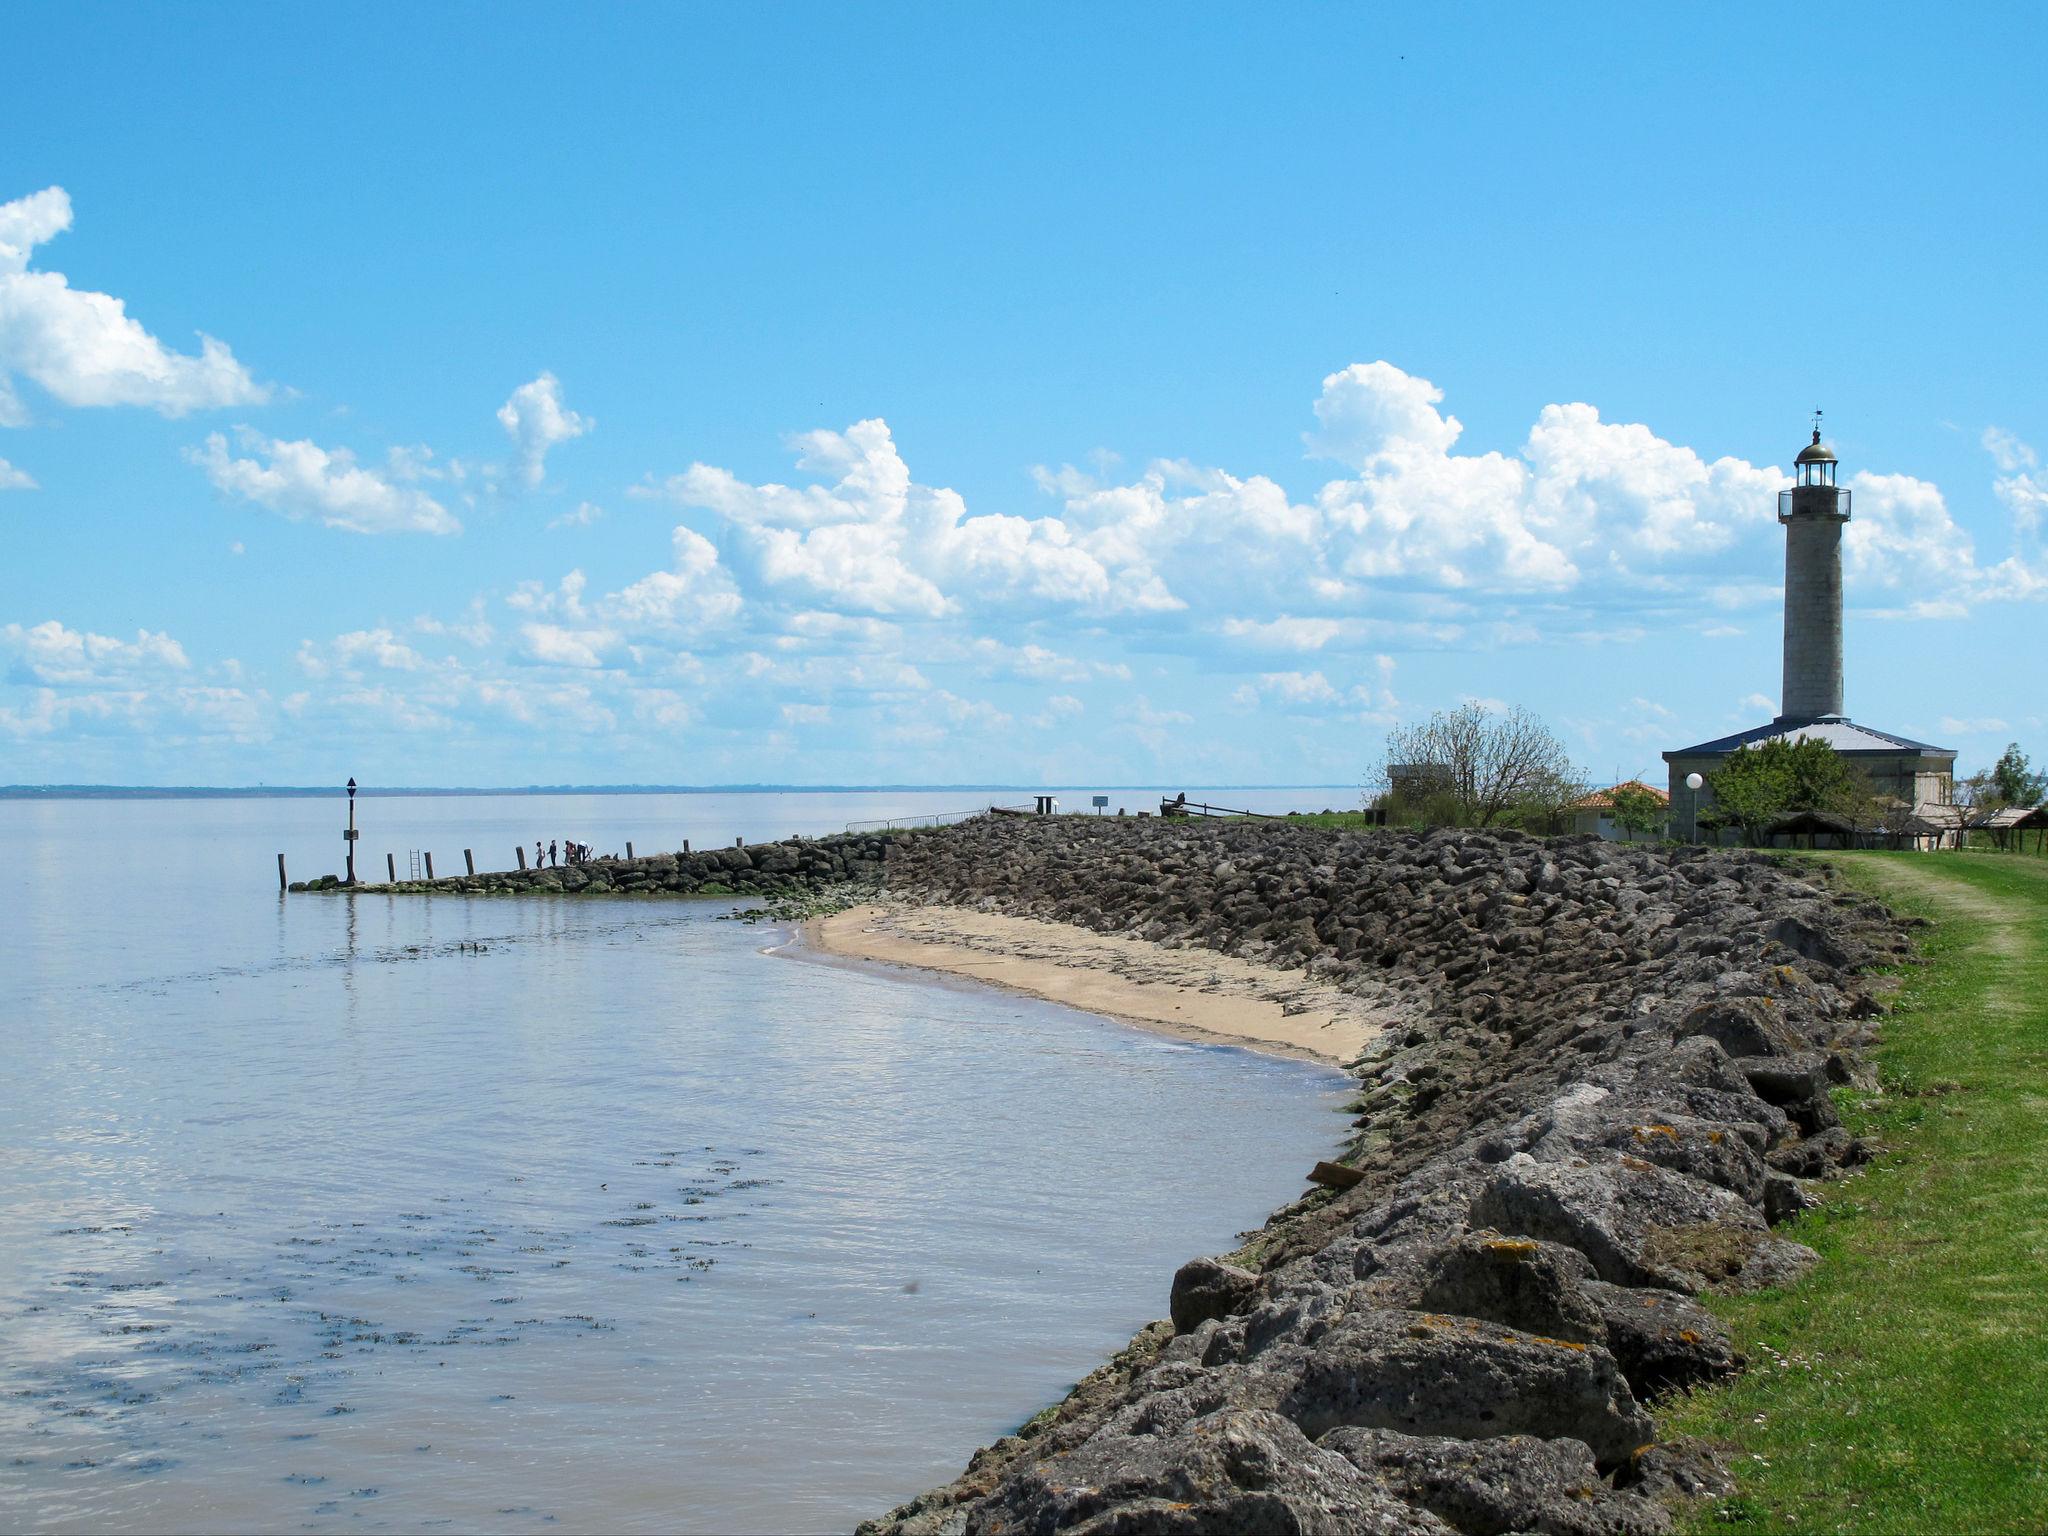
(302, 791)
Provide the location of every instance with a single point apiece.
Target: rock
(1433, 1374)
(1742, 1026)
(1234, 1472)
(1713, 1152)
(1518, 1283)
(1796, 1084)
(1810, 942)
(1208, 1288)
(1514, 1483)
(1680, 1472)
(1663, 1341)
(1785, 1198)
(1612, 1212)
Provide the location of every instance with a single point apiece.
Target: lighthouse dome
(1816, 452)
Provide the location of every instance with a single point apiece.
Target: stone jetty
(1614, 1085)
(793, 866)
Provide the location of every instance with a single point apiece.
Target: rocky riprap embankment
(1615, 1083)
(785, 868)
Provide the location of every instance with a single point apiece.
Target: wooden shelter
(1814, 825)
(2011, 824)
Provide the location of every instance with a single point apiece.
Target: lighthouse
(1906, 773)
(1814, 511)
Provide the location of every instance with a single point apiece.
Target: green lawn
(1903, 1386)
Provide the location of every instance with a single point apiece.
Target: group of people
(561, 852)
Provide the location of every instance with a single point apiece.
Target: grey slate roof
(1842, 735)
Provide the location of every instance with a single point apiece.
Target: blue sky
(940, 394)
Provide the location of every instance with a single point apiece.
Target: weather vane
(1816, 423)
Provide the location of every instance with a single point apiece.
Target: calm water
(312, 1216)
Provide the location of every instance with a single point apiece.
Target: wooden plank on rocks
(1335, 1176)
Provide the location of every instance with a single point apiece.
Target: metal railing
(1812, 496)
(934, 819)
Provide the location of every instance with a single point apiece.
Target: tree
(1637, 809)
(1760, 783)
(1481, 762)
(2014, 781)
(1542, 807)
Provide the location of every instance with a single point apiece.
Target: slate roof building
(1814, 511)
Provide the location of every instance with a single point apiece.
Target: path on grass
(1903, 1385)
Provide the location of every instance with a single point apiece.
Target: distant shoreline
(303, 792)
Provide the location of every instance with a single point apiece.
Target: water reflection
(323, 1216)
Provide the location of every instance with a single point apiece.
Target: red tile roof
(1603, 799)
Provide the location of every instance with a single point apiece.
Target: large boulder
(1639, 1224)
(1209, 1288)
(1511, 1483)
(1516, 1282)
(1232, 1472)
(1435, 1374)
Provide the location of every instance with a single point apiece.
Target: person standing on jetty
(551, 855)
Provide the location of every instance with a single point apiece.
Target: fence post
(629, 850)
(282, 883)
(521, 851)
(739, 842)
(469, 861)
(430, 865)
(686, 845)
(391, 868)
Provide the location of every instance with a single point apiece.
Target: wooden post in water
(629, 849)
(430, 865)
(282, 883)
(739, 842)
(391, 868)
(686, 845)
(521, 851)
(469, 860)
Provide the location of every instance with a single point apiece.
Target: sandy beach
(1193, 993)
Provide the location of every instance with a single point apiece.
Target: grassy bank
(1904, 1385)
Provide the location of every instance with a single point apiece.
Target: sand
(1193, 993)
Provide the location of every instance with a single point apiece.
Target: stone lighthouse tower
(1907, 773)
(1813, 512)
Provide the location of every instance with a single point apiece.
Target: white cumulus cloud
(51, 653)
(12, 479)
(694, 593)
(83, 348)
(303, 480)
(536, 420)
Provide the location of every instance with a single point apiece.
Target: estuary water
(494, 1214)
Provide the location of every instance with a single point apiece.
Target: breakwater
(1615, 1085)
(790, 867)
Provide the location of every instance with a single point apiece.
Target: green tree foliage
(1637, 810)
(2014, 781)
(1761, 782)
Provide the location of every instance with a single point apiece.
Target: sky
(1046, 394)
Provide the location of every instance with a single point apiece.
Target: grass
(1346, 821)
(1903, 1386)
